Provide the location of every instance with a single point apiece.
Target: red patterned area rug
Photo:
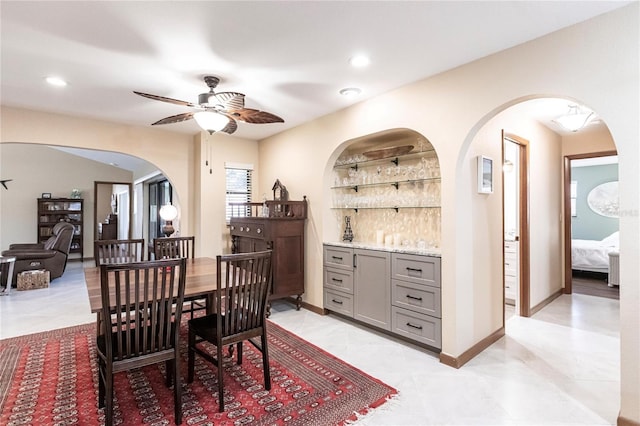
(50, 378)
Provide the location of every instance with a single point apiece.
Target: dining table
(200, 283)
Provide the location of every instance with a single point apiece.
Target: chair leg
(191, 355)
(177, 388)
(220, 379)
(239, 353)
(168, 367)
(108, 410)
(265, 361)
(101, 386)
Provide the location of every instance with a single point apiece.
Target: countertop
(434, 252)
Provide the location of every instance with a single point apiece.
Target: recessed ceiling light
(359, 61)
(56, 81)
(350, 91)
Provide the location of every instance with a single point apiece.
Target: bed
(593, 255)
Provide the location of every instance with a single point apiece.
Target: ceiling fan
(216, 112)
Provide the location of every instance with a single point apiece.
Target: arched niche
(388, 184)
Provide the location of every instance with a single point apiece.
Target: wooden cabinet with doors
(392, 291)
(282, 231)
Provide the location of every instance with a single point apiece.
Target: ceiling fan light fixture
(211, 121)
(575, 119)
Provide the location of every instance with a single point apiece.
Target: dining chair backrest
(143, 299)
(118, 251)
(171, 247)
(244, 281)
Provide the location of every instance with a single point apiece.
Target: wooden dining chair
(243, 284)
(171, 247)
(118, 251)
(141, 297)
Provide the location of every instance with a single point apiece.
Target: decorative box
(31, 280)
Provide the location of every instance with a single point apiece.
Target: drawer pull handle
(418, 327)
(336, 257)
(248, 229)
(414, 269)
(338, 302)
(336, 280)
(414, 298)
(241, 228)
(259, 231)
(233, 227)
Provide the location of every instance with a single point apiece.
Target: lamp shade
(575, 119)
(211, 121)
(168, 212)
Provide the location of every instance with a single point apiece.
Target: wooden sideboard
(281, 231)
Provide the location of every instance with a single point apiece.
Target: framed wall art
(485, 175)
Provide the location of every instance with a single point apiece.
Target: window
(238, 188)
(160, 193)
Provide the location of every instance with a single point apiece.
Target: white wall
(210, 188)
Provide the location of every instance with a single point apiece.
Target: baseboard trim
(546, 301)
(622, 421)
(469, 354)
(308, 306)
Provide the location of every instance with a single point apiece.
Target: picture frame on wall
(485, 175)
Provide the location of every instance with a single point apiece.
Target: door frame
(95, 205)
(524, 284)
(568, 276)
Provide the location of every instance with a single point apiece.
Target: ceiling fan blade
(231, 127)
(250, 115)
(163, 99)
(230, 100)
(175, 118)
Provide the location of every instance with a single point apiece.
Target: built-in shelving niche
(395, 189)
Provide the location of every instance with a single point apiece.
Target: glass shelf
(396, 183)
(394, 160)
(396, 208)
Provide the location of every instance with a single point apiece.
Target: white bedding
(590, 255)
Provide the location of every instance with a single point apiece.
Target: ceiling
(289, 58)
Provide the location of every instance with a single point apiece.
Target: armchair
(50, 255)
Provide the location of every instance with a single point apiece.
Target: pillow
(612, 240)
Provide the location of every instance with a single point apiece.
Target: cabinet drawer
(338, 256)
(419, 327)
(416, 297)
(338, 302)
(338, 279)
(510, 246)
(416, 269)
(510, 267)
(242, 229)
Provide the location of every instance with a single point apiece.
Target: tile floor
(559, 367)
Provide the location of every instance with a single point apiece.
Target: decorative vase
(348, 232)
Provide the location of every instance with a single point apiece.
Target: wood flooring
(593, 284)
